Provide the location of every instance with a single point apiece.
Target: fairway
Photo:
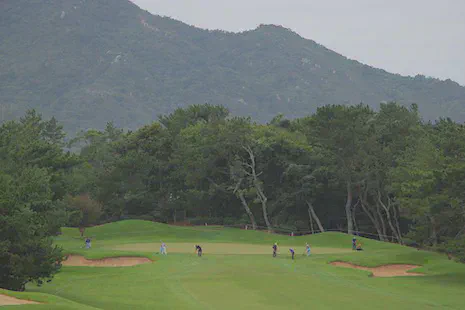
(225, 248)
(219, 280)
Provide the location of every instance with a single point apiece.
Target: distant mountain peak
(88, 62)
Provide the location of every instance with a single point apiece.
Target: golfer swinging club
(292, 252)
(198, 248)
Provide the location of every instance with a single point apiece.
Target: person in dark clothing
(88, 243)
(354, 243)
(199, 250)
(292, 253)
(275, 249)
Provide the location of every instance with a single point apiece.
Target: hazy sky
(402, 36)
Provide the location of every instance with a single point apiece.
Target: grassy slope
(133, 231)
(184, 281)
(47, 301)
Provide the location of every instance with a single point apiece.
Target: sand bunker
(11, 301)
(383, 271)
(74, 260)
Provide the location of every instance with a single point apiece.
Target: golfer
(199, 250)
(163, 249)
(275, 249)
(88, 243)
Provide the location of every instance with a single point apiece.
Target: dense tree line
(385, 173)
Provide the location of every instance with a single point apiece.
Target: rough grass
(222, 281)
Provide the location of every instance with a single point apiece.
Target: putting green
(223, 248)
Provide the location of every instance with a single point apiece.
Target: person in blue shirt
(307, 247)
(292, 252)
(275, 249)
(163, 248)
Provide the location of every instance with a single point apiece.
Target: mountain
(87, 62)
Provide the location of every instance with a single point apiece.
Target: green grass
(108, 237)
(46, 301)
(217, 281)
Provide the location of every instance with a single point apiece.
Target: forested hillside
(89, 62)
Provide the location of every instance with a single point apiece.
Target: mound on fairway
(383, 271)
(223, 248)
(76, 260)
(11, 301)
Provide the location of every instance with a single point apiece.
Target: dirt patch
(224, 248)
(11, 301)
(383, 271)
(75, 260)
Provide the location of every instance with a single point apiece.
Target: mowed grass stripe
(224, 248)
(181, 280)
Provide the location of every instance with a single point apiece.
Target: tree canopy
(33, 180)
(384, 174)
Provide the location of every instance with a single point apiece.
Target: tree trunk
(238, 193)
(265, 213)
(354, 210)
(381, 220)
(350, 223)
(388, 214)
(373, 219)
(396, 219)
(256, 182)
(311, 211)
(399, 232)
(247, 210)
(311, 221)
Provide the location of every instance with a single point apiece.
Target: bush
(85, 212)
(456, 248)
(231, 221)
(208, 220)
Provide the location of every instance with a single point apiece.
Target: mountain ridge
(87, 62)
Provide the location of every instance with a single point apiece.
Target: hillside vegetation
(90, 62)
